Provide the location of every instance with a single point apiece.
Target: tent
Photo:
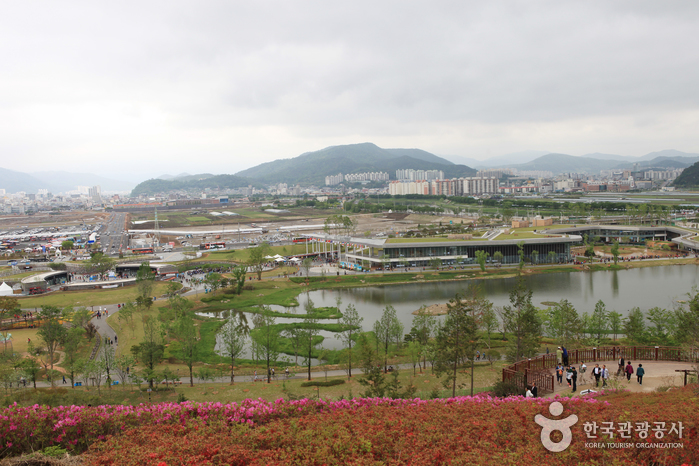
(5, 289)
(281, 259)
(295, 259)
(269, 257)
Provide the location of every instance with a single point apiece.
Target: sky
(137, 89)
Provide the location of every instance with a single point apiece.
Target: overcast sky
(145, 87)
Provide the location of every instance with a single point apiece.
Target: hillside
(689, 178)
(563, 163)
(313, 167)
(203, 181)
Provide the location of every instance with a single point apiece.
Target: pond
(620, 291)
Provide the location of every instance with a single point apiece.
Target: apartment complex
(452, 187)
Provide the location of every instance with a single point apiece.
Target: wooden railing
(539, 369)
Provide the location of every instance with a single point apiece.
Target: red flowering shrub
(474, 431)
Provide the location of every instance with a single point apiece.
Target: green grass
(243, 255)
(436, 239)
(89, 297)
(198, 219)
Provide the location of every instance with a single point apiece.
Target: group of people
(627, 369)
(571, 375)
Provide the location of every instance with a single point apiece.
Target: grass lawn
(198, 219)
(243, 255)
(88, 297)
(18, 276)
(19, 339)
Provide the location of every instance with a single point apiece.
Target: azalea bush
(463, 430)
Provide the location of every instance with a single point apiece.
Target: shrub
(502, 389)
(323, 383)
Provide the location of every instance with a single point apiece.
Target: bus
(217, 245)
(142, 251)
(300, 239)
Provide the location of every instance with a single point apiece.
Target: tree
(615, 252)
(388, 330)
(231, 339)
(257, 260)
(481, 257)
(31, 368)
(552, 256)
(634, 325)
(100, 263)
(507, 215)
(498, 257)
(662, 325)
(563, 323)
(145, 280)
(687, 318)
(535, 257)
(8, 307)
(415, 354)
(435, 263)
(385, 262)
(306, 266)
(66, 245)
(489, 320)
(521, 320)
(352, 326)
(213, 280)
(458, 338)
(599, 323)
(71, 343)
(187, 335)
(121, 364)
(340, 224)
(422, 330)
(615, 323)
(151, 349)
(520, 253)
(51, 333)
(308, 334)
(125, 315)
(267, 338)
(239, 275)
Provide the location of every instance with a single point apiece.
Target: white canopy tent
(5, 289)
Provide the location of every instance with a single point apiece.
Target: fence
(538, 370)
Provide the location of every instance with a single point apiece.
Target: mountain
(563, 163)
(689, 178)
(670, 153)
(198, 182)
(600, 156)
(61, 181)
(12, 182)
(176, 177)
(661, 162)
(420, 155)
(311, 168)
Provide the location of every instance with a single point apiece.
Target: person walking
(559, 355)
(574, 378)
(559, 374)
(565, 356)
(629, 371)
(605, 375)
(597, 372)
(569, 376)
(535, 391)
(640, 372)
(620, 370)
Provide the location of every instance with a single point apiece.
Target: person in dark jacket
(629, 371)
(575, 380)
(640, 372)
(534, 390)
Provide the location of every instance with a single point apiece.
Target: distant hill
(563, 163)
(313, 167)
(600, 156)
(669, 153)
(62, 181)
(204, 181)
(689, 178)
(662, 162)
(12, 182)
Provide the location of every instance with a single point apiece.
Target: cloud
(231, 84)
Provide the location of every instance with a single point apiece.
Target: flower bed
(465, 430)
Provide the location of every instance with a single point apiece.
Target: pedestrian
(597, 372)
(535, 391)
(565, 356)
(115, 338)
(559, 355)
(621, 366)
(574, 377)
(640, 372)
(64, 379)
(605, 375)
(629, 371)
(547, 350)
(569, 375)
(529, 393)
(559, 374)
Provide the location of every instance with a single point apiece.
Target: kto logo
(548, 426)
